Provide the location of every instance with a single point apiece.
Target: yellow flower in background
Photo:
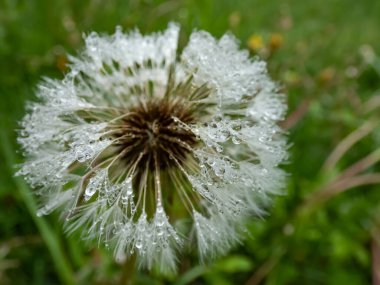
(275, 41)
(255, 42)
(265, 46)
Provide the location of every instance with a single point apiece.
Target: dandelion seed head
(137, 139)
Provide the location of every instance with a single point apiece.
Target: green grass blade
(52, 241)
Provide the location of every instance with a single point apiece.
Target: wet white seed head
(137, 139)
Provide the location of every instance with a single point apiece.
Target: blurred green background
(325, 54)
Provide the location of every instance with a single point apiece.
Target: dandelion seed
(135, 141)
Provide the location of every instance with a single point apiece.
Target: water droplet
(81, 157)
(236, 140)
(90, 191)
(124, 200)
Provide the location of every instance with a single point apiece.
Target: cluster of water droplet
(56, 199)
(49, 169)
(116, 194)
(221, 166)
(104, 61)
(97, 182)
(268, 106)
(108, 207)
(222, 66)
(219, 131)
(38, 130)
(61, 95)
(149, 239)
(265, 141)
(85, 142)
(215, 234)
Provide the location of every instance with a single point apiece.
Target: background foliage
(325, 230)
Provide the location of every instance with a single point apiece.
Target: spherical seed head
(145, 151)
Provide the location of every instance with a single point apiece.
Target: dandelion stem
(128, 270)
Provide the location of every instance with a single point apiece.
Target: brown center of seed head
(153, 136)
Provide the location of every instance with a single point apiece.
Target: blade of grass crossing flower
(52, 242)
